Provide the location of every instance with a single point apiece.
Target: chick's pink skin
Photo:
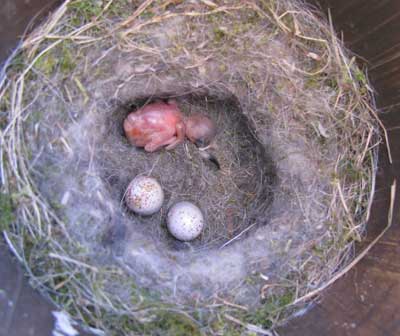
(162, 124)
(155, 125)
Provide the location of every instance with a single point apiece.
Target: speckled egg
(144, 195)
(185, 221)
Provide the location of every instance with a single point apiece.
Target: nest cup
(231, 198)
(297, 142)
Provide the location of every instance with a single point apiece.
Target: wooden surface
(366, 302)
(22, 310)
(15, 17)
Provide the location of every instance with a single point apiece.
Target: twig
(249, 327)
(234, 305)
(238, 236)
(11, 247)
(76, 262)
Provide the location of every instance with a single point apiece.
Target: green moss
(360, 76)
(127, 326)
(172, 324)
(332, 83)
(56, 205)
(6, 211)
(150, 295)
(18, 63)
(35, 117)
(4, 103)
(319, 251)
(29, 243)
(219, 34)
(271, 309)
(224, 328)
(147, 14)
(60, 59)
(122, 8)
(66, 61)
(350, 171)
(46, 64)
(164, 323)
(314, 82)
(4, 108)
(85, 10)
(267, 4)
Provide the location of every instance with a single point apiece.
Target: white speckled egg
(185, 221)
(144, 195)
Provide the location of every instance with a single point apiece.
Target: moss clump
(46, 64)
(172, 324)
(84, 10)
(6, 211)
(60, 59)
(269, 313)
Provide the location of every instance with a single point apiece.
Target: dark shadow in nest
(234, 199)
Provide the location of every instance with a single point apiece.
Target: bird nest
(297, 144)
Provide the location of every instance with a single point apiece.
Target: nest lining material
(297, 143)
(241, 191)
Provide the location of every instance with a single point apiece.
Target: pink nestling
(161, 124)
